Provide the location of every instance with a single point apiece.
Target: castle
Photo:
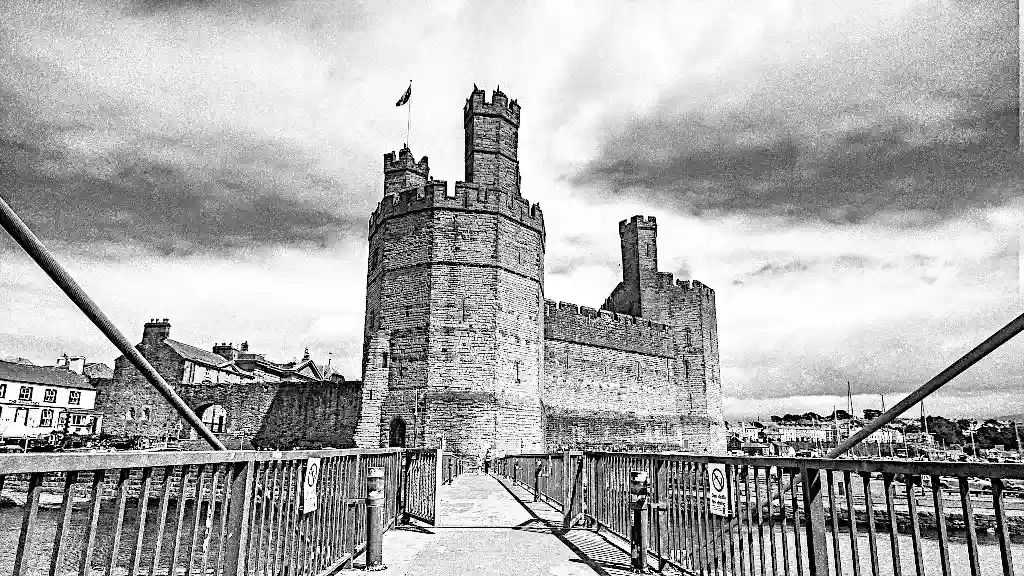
(460, 348)
(471, 354)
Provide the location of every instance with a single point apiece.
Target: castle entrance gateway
(396, 434)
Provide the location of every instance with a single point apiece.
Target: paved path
(483, 529)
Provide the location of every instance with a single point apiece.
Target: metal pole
(35, 249)
(638, 491)
(375, 519)
(966, 361)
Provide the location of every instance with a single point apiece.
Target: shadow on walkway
(486, 526)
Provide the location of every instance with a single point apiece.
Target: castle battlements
(405, 161)
(559, 307)
(498, 106)
(640, 222)
(573, 323)
(465, 196)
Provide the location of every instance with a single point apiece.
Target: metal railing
(234, 512)
(795, 515)
(453, 466)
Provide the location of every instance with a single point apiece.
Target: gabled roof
(45, 375)
(189, 352)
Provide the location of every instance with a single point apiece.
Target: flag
(405, 97)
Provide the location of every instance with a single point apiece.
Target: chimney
(244, 347)
(155, 331)
(77, 364)
(226, 350)
(62, 361)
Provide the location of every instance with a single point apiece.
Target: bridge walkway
(485, 527)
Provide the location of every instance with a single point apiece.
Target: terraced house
(38, 400)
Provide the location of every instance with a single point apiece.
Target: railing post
(814, 515)
(638, 485)
(239, 510)
(568, 483)
(375, 519)
(438, 479)
(536, 481)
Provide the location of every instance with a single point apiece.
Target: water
(73, 542)
(988, 552)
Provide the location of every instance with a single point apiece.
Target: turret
(492, 141)
(404, 172)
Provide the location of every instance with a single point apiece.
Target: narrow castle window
(517, 372)
(384, 359)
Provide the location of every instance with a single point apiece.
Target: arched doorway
(396, 434)
(214, 417)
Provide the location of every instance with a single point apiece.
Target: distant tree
(945, 431)
(991, 433)
(840, 415)
(912, 427)
(964, 425)
(776, 418)
(871, 413)
(756, 424)
(812, 416)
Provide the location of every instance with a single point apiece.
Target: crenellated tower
(688, 308)
(492, 141)
(455, 278)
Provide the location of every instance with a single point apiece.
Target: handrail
(28, 463)
(910, 467)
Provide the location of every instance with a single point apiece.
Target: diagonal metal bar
(35, 249)
(966, 361)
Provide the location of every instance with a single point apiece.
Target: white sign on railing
(310, 484)
(718, 490)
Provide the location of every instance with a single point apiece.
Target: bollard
(638, 484)
(375, 519)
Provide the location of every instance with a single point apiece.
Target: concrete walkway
(485, 528)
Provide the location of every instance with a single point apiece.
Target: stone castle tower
(455, 282)
(687, 309)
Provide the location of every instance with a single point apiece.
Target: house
(40, 400)
(243, 398)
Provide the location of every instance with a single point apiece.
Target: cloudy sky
(843, 174)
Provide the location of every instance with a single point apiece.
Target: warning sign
(718, 490)
(309, 485)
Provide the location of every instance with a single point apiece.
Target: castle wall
(610, 380)
(129, 390)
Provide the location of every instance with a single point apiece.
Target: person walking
(487, 462)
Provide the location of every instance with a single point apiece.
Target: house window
(46, 418)
(25, 393)
(3, 390)
(75, 397)
(50, 395)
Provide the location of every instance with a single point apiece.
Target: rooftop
(45, 375)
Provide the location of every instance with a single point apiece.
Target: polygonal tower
(455, 279)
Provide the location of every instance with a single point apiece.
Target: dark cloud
(924, 119)
(256, 198)
(884, 167)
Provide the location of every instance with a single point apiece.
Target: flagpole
(408, 119)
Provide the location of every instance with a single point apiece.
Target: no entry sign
(718, 490)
